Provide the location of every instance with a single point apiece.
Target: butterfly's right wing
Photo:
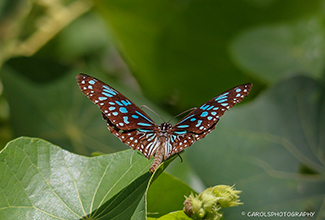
(200, 122)
(208, 114)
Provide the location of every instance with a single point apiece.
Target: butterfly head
(164, 128)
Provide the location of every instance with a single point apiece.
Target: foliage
(42, 181)
(172, 56)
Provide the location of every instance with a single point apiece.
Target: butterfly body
(134, 127)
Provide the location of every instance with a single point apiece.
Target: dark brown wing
(119, 110)
(203, 117)
(200, 122)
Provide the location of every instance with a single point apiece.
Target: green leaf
(39, 180)
(178, 215)
(166, 195)
(272, 52)
(263, 145)
(186, 45)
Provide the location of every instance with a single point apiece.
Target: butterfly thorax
(164, 129)
(161, 144)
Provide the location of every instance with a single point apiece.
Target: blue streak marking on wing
(150, 139)
(144, 124)
(92, 82)
(205, 113)
(210, 107)
(144, 117)
(222, 100)
(213, 113)
(107, 94)
(102, 98)
(134, 116)
(90, 87)
(198, 123)
(126, 102)
(204, 106)
(238, 90)
(109, 91)
(115, 113)
(145, 130)
(172, 138)
(111, 108)
(192, 119)
(224, 104)
(125, 119)
(106, 87)
(123, 110)
(185, 119)
(120, 104)
(180, 132)
(111, 103)
(183, 126)
(220, 97)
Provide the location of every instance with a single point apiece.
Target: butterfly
(135, 128)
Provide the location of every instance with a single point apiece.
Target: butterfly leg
(180, 157)
(193, 135)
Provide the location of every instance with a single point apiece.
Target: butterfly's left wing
(123, 113)
(142, 140)
(124, 119)
(200, 122)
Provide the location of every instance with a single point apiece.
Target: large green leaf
(41, 181)
(180, 51)
(166, 195)
(271, 52)
(272, 149)
(179, 215)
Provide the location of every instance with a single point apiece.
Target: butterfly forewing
(119, 110)
(207, 115)
(200, 122)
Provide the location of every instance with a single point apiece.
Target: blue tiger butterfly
(136, 129)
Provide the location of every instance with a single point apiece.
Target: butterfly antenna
(191, 109)
(144, 106)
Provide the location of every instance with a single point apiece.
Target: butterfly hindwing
(119, 110)
(185, 140)
(207, 115)
(179, 142)
(138, 139)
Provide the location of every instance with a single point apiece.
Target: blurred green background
(172, 56)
